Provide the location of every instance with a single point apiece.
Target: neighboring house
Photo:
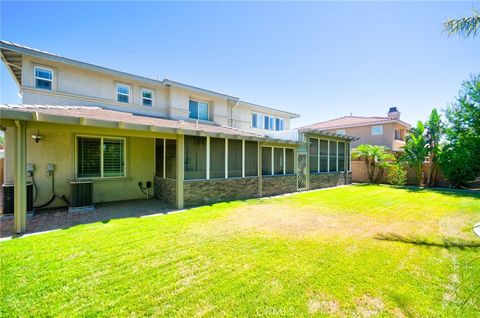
(196, 146)
(386, 131)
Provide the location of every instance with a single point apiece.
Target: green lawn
(350, 251)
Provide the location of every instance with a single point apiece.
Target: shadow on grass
(448, 243)
(462, 193)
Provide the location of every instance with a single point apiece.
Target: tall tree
(376, 158)
(433, 134)
(468, 26)
(416, 151)
(459, 160)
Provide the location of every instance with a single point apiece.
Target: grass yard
(350, 251)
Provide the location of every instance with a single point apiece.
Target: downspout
(231, 112)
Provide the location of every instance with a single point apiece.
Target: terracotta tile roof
(350, 121)
(101, 114)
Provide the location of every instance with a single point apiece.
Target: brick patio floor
(60, 218)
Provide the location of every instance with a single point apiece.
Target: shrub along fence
(359, 174)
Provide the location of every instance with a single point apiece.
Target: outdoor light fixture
(37, 137)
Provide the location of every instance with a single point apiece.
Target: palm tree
(463, 26)
(376, 159)
(416, 151)
(433, 135)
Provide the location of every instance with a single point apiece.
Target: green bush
(397, 175)
(459, 164)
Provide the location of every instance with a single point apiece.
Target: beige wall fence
(1, 182)
(1, 170)
(359, 174)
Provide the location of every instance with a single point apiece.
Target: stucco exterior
(76, 86)
(83, 102)
(364, 135)
(58, 147)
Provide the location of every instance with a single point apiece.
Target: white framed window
(254, 120)
(198, 109)
(398, 134)
(272, 123)
(279, 124)
(123, 93)
(267, 122)
(341, 132)
(43, 78)
(100, 157)
(257, 120)
(377, 130)
(147, 97)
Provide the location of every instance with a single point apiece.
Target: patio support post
(328, 157)
(226, 158)
(243, 158)
(180, 169)
(20, 178)
(208, 158)
(259, 170)
(345, 162)
(273, 160)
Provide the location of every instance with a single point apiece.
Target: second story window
(257, 120)
(279, 124)
(398, 134)
(267, 122)
(341, 132)
(43, 78)
(198, 110)
(377, 130)
(123, 93)
(147, 97)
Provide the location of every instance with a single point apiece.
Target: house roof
(11, 54)
(96, 116)
(353, 121)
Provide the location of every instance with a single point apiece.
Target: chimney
(393, 113)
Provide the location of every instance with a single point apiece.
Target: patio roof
(99, 117)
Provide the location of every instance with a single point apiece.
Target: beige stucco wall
(242, 117)
(78, 86)
(58, 147)
(364, 133)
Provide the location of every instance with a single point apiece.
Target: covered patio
(121, 153)
(60, 218)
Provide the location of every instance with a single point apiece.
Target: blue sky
(321, 60)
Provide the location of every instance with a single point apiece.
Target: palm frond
(468, 26)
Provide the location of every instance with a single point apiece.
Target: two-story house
(386, 131)
(127, 137)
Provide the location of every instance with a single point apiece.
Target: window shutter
(113, 157)
(88, 157)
